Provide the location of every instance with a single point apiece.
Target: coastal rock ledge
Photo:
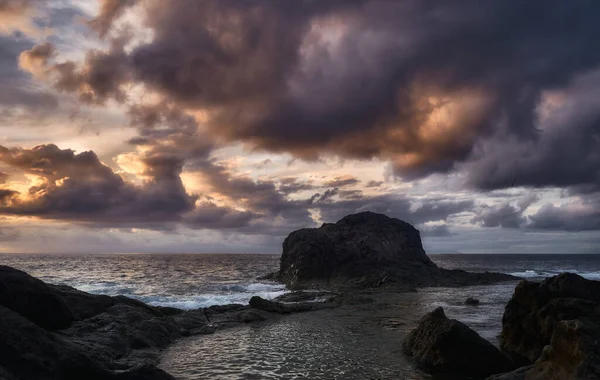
(553, 327)
(366, 250)
(55, 332)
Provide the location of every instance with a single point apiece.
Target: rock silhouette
(366, 250)
(447, 345)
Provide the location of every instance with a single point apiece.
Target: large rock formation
(366, 250)
(536, 308)
(447, 345)
(50, 332)
(554, 325)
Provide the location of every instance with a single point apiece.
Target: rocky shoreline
(57, 332)
(550, 331)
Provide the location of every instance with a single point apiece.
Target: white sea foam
(546, 274)
(207, 300)
(223, 294)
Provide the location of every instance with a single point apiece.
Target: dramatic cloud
(411, 210)
(109, 11)
(571, 217)
(79, 187)
(17, 90)
(506, 215)
(36, 59)
(564, 152)
(424, 86)
(290, 185)
(258, 117)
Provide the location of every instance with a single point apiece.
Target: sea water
(352, 342)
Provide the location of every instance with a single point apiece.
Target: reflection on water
(353, 342)
(290, 348)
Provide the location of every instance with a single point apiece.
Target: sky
(222, 125)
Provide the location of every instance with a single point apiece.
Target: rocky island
(366, 250)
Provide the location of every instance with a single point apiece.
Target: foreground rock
(287, 308)
(366, 250)
(52, 332)
(447, 345)
(554, 325)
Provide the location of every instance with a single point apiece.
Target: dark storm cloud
(79, 187)
(6, 195)
(167, 130)
(3, 177)
(564, 152)
(584, 217)
(262, 197)
(110, 10)
(328, 194)
(425, 85)
(100, 79)
(506, 215)
(397, 206)
(291, 185)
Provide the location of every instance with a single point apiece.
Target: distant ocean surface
(353, 342)
(191, 281)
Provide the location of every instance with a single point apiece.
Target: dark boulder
(33, 299)
(259, 303)
(536, 308)
(446, 345)
(555, 325)
(472, 301)
(30, 352)
(306, 296)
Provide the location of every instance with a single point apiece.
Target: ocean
(351, 342)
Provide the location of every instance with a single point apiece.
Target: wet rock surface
(472, 301)
(57, 332)
(446, 345)
(366, 250)
(555, 327)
